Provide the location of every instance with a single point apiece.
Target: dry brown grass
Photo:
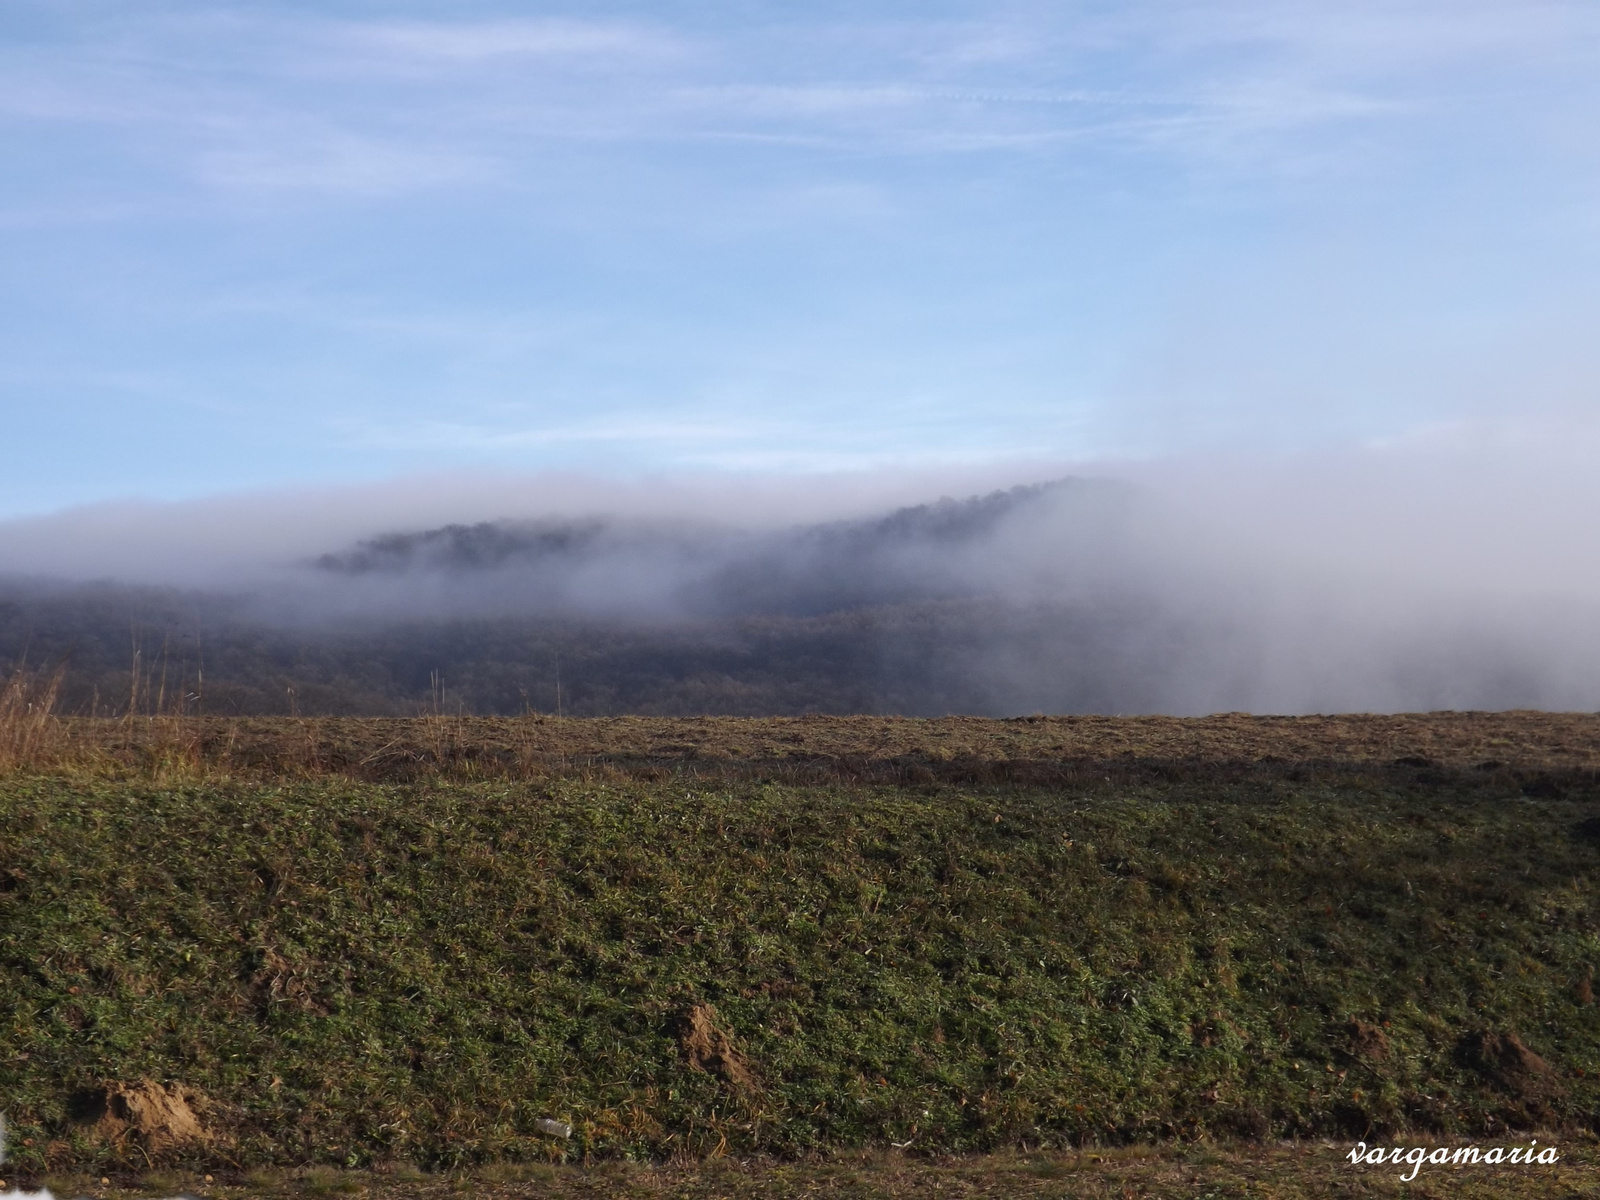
(30, 733)
(812, 748)
(1281, 1171)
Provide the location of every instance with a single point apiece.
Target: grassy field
(1089, 952)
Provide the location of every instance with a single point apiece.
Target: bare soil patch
(158, 1117)
(709, 1048)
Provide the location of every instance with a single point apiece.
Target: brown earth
(1368, 1041)
(157, 1116)
(1512, 1063)
(708, 1048)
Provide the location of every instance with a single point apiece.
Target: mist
(1439, 574)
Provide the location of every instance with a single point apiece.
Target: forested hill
(905, 613)
(1069, 597)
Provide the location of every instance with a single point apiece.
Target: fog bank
(1439, 574)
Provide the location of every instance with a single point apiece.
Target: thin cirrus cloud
(472, 44)
(274, 103)
(335, 161)
(924, 91)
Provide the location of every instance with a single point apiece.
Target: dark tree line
(172, 651)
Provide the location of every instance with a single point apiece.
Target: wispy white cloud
(1196, 82)
(338, 162)
(728, 433)
(801, 100)
(1377, 37)
(613, 429)
(473, 43)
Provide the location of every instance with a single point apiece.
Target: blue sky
(283, 245)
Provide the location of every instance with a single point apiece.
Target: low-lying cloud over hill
(1029, 543)
(1166, 594)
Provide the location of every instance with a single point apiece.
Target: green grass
(359, 974)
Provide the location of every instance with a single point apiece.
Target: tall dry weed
(35, 736)
(31, 734)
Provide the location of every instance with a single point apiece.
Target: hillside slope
(352, 972)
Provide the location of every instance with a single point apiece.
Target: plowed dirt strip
(1519, 739)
